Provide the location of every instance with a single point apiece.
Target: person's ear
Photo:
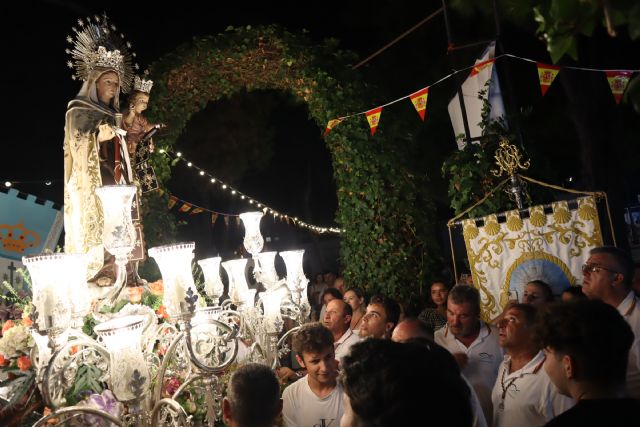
(300, 361)
(226, 410)
(388, 327)
(568, 366)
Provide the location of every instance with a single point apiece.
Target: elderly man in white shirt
(472, 342)
(524, 395)
(337, 319)
(607, 277)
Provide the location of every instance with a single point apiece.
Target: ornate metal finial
(508, 159)
(509, 162)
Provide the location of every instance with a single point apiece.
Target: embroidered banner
(28, 225)
(552, 247)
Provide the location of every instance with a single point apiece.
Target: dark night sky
(39, 84)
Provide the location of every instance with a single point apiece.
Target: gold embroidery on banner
(572, 236)
(561, 212)
(470, 229)
(586, 209)
(537, 216)
(491, 226)
(514, 222)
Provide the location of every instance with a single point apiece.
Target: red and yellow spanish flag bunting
(419, 100)
(481, 66)
(226, 220)
(214, 218)
(618, 81)
(196, 211)
(373, 117)
(546, 73)
(332, 123)
(172, 201)
(238, 221)
(186, 207)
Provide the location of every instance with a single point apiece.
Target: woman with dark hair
(537, 293)
(327, 295)
(356, 299)
(435, 316)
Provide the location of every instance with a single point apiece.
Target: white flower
(16, 341)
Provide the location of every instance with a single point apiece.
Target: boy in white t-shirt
(316, 399)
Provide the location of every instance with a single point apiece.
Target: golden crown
(96, 43)
(17, 238)
(142, 85)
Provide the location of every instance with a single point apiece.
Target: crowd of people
(556, 360)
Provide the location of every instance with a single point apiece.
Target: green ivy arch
(383, 246)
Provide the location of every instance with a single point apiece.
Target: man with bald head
(414, 330)
(337, 319)
(411, 328)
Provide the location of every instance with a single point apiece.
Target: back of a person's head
(391, 384)
(391, 307)
(254, 396)
(312, 338)
(335, 293)
(593, 333)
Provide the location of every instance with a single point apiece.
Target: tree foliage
(387, 223)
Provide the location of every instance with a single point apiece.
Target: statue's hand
(105, 133)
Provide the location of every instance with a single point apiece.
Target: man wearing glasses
(607, 277)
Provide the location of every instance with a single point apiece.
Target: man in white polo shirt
(524, 395)
(607, 277)
(337, 319)
(472, 342)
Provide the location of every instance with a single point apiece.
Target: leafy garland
(383, 247)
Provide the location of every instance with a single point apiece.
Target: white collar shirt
(526, 397)
(342, 347)
(483, 360)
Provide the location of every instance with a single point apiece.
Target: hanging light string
(250, 200)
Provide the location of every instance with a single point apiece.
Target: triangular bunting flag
(226, 220)
(214, 218)
(419, 100)
(618, 81)
(373, 117)
(481, 66)
(186, 207)
(172, 202)
(546, 73)
(196, 211)
(238, 221)
(332, 123)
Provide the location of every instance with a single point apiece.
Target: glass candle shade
(253, 241)
(237, 280)
(118, 233)
(59, 286)
(174, 262)
(213, 285)
(271, 306)
(122, 337)
(265, 269)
